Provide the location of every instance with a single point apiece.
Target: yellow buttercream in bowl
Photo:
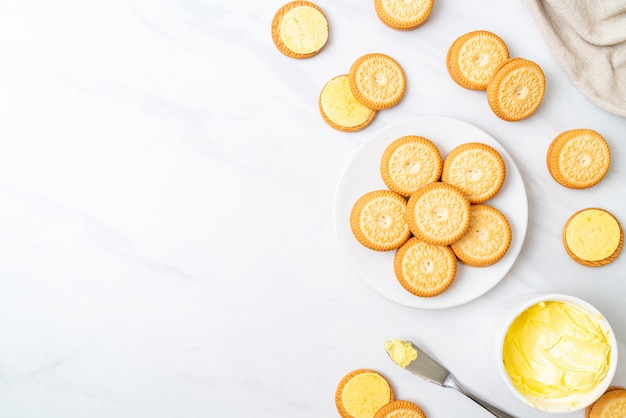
(559, 353)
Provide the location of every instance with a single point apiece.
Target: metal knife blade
(427, 368)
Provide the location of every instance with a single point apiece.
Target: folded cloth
(588, 39)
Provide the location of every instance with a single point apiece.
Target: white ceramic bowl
(568, 403)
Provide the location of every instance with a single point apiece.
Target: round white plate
(362, 174)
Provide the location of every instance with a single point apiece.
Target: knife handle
(451, 382)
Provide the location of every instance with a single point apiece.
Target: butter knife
(427, 368)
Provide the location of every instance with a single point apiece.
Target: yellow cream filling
(340, 105)
(365, 394)
(401, 352)
(593, 235)
(304, 30)
(553, 350)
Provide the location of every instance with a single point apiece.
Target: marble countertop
(167, 238)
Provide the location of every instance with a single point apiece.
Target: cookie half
(593, 237)
(578, 159)
(487, 240)
(476, 168)
(473, 58)
(378, 220)
(424, 269)
(361, 393)
(400, 409)
(516, 89)
(300, 29)
(377, 81)
(403, 14)
(340, 109)
(410, 162)
(608, 405)
(438, 213)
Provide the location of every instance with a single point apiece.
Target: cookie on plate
(608, 405)
(476, 168)
(377, 81)
(403, 14)
(438, 213)
(340, 109)
(409, 162)
(516, 89)
(400, 409)
(473, 57)
(378, 220)
(361, 393)
(578, 159)
(424, 269)
(487, 240)
(300, 29)
(593, 237)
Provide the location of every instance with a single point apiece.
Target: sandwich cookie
(578, 159)
(472, 58)
(593, 237)
(340, 109)
(516, 89)
(410, 162)
(361, 393)
(377, 81)
(476, 168)
(300, 29)
(378, 220)
(403, 14)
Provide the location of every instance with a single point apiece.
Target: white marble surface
(167, 245)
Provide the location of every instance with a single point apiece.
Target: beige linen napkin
(588, 39)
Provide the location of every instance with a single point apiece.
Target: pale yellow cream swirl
(401, 352)
(553, 350)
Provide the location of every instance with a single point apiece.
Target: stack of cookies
(350, 101)
(433, 212)
(479, 60)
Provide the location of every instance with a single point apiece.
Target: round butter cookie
(424, 269)
(361, 393)
(516, 89)
(593, 237)
(377, 81)
(475, 168)
(578, 159)
(403, 14)
(472, 58)
(438, 213)
(410, 162)
(378, 220)
(608, 406)
(340, 109)
(487, 240)
(400, 409)
(300, 29)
